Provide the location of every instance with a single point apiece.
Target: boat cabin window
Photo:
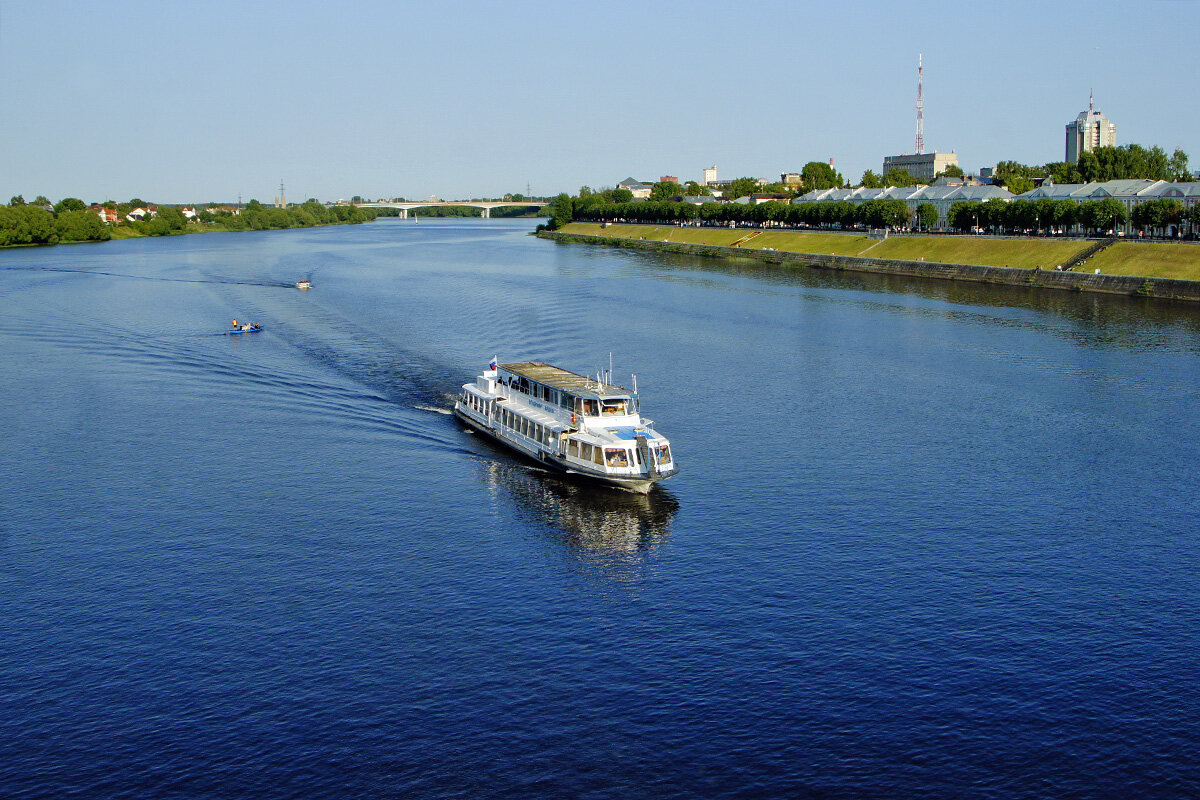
(598, 455)
(587, 451)
(664, 454)
(573, 448)
(591, 408)
(614, 406)
(616, 458)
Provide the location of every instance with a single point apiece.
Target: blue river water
(928, 539)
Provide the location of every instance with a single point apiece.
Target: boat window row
(525, 427)
(587, 406)
(603, 456)
(540, 391)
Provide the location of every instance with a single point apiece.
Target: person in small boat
(235, 323)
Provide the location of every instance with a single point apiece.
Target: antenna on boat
(608, 375)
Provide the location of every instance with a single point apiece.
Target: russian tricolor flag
(492, 363)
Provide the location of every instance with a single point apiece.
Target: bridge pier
(404, 213)
(487, 213)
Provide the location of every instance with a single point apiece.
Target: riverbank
(1162, 270)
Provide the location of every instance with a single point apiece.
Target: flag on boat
(492, 363)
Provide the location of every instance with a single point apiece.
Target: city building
(1089, 130)
(790, 178)
(639, 190)
(1129, 192)
(668, 179)
(710, 176)
(922, 166)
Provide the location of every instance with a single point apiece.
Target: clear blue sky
(201, 101)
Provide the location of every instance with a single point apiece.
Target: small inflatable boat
(250, 328)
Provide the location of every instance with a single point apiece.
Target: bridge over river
(486, 205)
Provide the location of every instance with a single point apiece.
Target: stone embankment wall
(1164, 288)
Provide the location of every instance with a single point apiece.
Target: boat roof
(561, 379)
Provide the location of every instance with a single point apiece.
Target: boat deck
(561, 379)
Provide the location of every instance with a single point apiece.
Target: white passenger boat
(580, 425)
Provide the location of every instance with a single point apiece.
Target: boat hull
(636, 485)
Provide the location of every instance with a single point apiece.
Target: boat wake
(448, 412)
(156, 278)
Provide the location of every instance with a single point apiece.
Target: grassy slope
(1149, 259)
(1155, 260)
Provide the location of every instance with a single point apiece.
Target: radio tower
(920, 106)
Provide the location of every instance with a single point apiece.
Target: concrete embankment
(1162, 288)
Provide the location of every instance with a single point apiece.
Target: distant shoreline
(122, 233)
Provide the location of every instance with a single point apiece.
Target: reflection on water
(604, 528)
(1103, 312)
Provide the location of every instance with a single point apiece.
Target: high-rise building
(710, 175)
(1089, 130)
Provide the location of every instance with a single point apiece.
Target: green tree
(741, 187)
(1089, 166)
(68, 204)
(927, 215)
(81, 226)
(951, 171)
(26, 224)
(820, 175)
(17, 201)
(1102, 215)
(562, 211)
(964, 215)
(899, 177)
(871, 180)
(1019, 185)
(665, 190)
(1062, 172)
(1178, 166)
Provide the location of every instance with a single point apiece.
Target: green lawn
(1149, 259)
(793, 241)
(1152, 260)
(984, 251)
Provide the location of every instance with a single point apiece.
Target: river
(928, 539)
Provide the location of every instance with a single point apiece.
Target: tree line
(996, 215)
(257, 217)
(40, 223)
(872, 213)
(1109, 163)
(70, 220)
